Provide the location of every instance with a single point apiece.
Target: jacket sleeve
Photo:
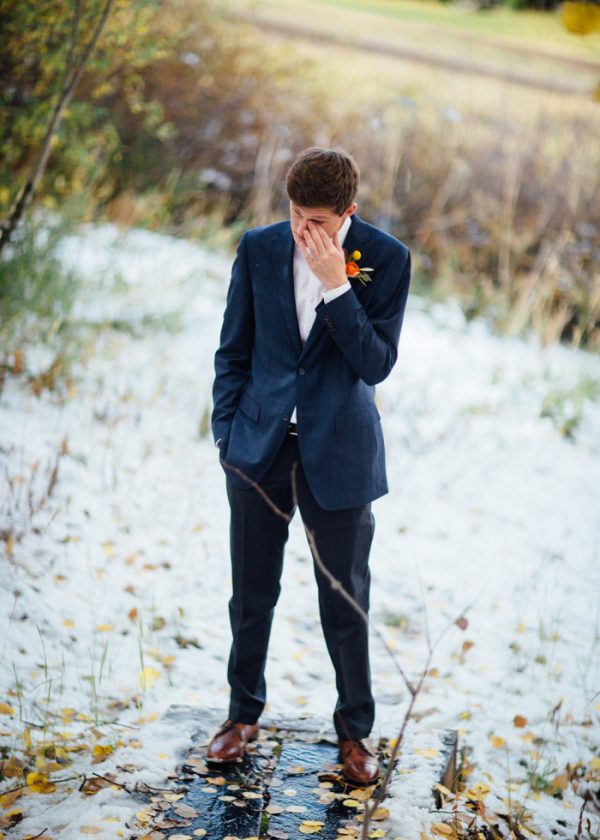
(233, 358)
(369, 342)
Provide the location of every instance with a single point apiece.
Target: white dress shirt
(309, 291)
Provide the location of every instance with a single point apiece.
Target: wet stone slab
(288, 785)
(228, 802)
(308, 795)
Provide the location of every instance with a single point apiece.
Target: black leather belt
(292, 429)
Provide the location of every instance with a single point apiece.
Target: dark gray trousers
(257, 538)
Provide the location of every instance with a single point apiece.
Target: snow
(492, 513)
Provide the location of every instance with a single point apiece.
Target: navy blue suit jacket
(263, 370)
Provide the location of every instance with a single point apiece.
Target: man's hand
(324, 256)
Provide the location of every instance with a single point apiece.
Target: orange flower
(352, 269)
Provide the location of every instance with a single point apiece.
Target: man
(309, 328)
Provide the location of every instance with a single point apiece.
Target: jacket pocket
(250, 407)
(368, 415)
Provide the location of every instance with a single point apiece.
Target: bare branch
(414, 690)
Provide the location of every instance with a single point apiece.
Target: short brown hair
(322, 177)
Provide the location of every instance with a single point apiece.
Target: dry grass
(493, 184)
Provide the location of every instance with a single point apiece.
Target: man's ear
(352, 209)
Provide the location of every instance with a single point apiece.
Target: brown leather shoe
(360, 761)
(229, 742)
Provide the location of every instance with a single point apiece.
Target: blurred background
(476, 126)
(138, 140)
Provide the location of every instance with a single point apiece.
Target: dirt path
(373, 46)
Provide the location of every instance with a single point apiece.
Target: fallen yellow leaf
(101, 752)
(8, 799)
(442, 830)
(12, 767)
(147, 676)
(362, 794)
(12, 817)
(5, 709)
(478, 792)
(89, 829)
(380, 814)
(39, 782)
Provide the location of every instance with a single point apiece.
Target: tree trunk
(27, 192)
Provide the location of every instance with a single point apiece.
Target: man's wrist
(336, 291)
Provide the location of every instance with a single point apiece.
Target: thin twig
(586, 799)
(54, 781)
(334, 582)
(258, 489)
(112, 781)
(338, 587)
(42, 832)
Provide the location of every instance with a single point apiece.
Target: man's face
(326, 218)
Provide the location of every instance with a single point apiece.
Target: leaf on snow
(39, 782)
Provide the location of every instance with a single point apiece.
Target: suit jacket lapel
(283, 264)
(355, 240)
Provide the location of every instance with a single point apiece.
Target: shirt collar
(344, 229)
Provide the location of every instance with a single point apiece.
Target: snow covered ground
(492, 514)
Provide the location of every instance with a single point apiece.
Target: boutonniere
(354, 270)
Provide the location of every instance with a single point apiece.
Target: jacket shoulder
(266, 232)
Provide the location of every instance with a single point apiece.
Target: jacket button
(285, 418)
(301, 371)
